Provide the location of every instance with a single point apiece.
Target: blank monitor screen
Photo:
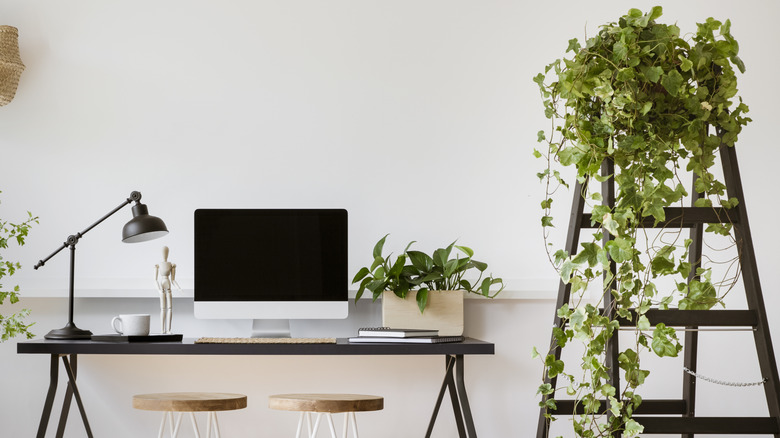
(270, 263)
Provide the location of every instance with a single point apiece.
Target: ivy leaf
(665, 341)
(554, 366)
(588, 254)
(632, 428)
(620, 249)
(610, 224)
(653, 74)
(672, 82)
(642, 323)
(736, 60)
(574, 45)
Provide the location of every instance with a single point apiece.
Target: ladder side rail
(755, 299)
(690, 351)
(564, 294)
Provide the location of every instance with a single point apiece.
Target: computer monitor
(271, 265)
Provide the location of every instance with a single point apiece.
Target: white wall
(419, 117)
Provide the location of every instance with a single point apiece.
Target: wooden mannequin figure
(165, 278)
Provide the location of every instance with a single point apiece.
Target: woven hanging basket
(11, 66)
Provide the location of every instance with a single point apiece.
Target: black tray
(149, 338)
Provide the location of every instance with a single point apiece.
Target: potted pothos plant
(658, 105)
(425, 279)
(13, 324)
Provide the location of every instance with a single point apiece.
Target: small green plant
(415, 270)
(13, 325)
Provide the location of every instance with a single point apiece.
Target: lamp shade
(11, 66)
(143, 226)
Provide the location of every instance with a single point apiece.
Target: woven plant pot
(11, 66)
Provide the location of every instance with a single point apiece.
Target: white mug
(131, 325)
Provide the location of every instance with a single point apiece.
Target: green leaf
(378, 261)
(422, 299)
(361, 274)
(420, 260)
(620, 249)
(656, 12)
(642, 323)
(378, 247)
(466, 250)
(397, 267)
(441, 255)
(610, 224)
(665, 342)
(574, 45)
(481, 266)
(672, 82)
(554, 366)
(653, 74)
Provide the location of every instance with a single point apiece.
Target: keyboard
(265, 341)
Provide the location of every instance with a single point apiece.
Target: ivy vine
(657, 105)
(13, 324)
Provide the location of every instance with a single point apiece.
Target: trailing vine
(658, 106)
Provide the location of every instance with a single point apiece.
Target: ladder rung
(698, 318)
(683, 217)
(648, 407)
(709, 425)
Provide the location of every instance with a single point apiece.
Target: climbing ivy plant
(658, 105)
(13, 324)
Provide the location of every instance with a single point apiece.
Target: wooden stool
(191, 402)
(326, 404)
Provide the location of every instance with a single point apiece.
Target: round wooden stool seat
(325, 405)
(332, 403)
(189, 401)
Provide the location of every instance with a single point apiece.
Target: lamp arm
(73, 239)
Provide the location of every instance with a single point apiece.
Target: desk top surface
(189, 347)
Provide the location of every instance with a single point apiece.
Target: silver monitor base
(271, 328)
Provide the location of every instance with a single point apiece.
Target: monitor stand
(271, 328)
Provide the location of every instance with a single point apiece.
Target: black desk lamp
(142, 227)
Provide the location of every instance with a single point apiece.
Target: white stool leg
(300, 425)
(175, 432)
(344, 429)
(194, 425)
(162, 425)
(309, 425)
(313, 433)
(216, 425)
(353, 420)
(331, 425)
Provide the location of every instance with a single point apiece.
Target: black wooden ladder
(678, 416)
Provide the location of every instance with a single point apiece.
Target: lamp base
(70, 331)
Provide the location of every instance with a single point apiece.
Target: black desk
(68, 351)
